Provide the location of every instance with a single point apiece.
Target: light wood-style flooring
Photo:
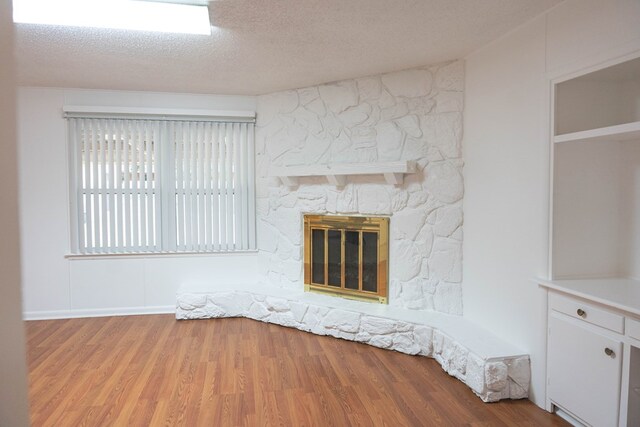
(156, 371)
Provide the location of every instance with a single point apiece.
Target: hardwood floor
(154, 370)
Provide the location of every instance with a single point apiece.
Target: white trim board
(158, 113)
(152, 255)
(97, 312)
(623, 132)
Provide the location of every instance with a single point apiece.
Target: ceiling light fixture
(156, 16)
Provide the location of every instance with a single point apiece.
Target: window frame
(168, 187)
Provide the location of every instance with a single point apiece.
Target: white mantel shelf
(337, 173)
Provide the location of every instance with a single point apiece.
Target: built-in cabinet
(584, 359)
(593, 351)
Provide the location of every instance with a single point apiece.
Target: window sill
(159, 255)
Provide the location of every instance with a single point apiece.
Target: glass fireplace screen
(347, 256)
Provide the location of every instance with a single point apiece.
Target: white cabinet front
(584, 371)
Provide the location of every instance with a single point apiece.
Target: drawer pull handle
(581, 313)
(609, 352)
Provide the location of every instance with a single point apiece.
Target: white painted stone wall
(492, 380)
(408, 115)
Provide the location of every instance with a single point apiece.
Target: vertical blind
(161, 185)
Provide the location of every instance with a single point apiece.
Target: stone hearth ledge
(492, 368)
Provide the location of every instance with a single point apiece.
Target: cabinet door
(583, 378)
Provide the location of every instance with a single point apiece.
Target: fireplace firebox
(347, 256)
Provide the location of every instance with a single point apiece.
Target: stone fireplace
(347, 256)
(408, 116)
(382, 146)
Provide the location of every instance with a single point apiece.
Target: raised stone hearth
(493, 369)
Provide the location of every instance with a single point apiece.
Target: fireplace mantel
(337, 173)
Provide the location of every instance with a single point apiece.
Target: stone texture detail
(407, 115)
(491, 380)
(495, 375)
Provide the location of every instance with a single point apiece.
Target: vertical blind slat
(126, 229)
(149, 187)
(86, 179)
(142, 232)
(93, 172)
(237, 207)
(187, 186)
(222, 187)
(180, 187)
(117, 179)
(104, 186)
(111, 177)
(161, 167)
(157, 195)
(95, 222)
(135, 187)
(132, 188)
(104, 241)
(195, 170)
(207, 188)
(229, 184)
(251, 187)
(141, 201)
(142, 186)
(193, 134)
(243, 187)
(145, 175)
(215, 188)
(193, 142)
(95, 194)
(169, 182)
(74, 155)
(202, 232)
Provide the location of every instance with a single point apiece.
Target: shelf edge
(621, 132)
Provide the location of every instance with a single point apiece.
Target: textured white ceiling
(261, 46)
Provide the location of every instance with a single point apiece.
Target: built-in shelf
(624, 132)
(337, 173)
(595, 155)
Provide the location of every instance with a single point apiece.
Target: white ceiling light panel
(117, 14)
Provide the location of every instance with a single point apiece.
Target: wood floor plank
(156, 371)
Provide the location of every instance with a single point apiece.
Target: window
(144, 185)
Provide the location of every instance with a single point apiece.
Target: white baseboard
(97, 312)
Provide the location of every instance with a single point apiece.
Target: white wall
(13, 377)
(58, 287)
(583, 104)
(629, 235)
(589, 196)
(506, 151)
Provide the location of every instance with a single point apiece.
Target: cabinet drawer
(587, 312)
(633, 328)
